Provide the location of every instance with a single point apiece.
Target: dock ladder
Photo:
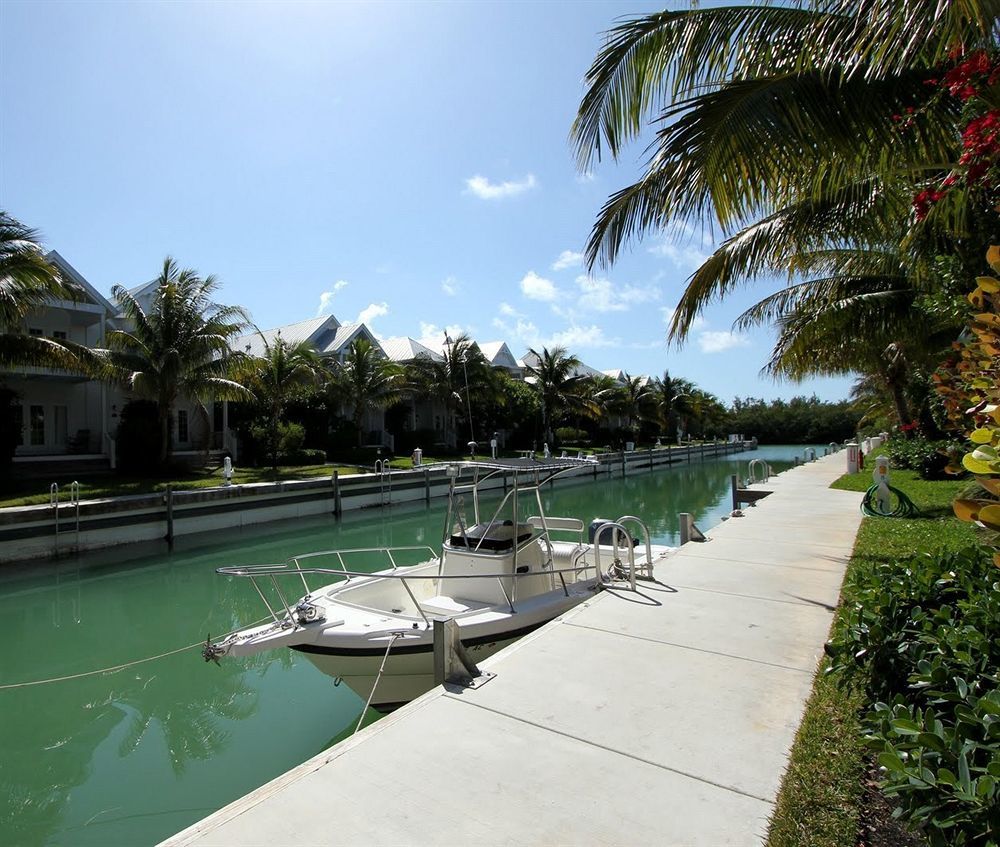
(383, 470)
(74, 502)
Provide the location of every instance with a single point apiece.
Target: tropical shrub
(926, 457)
(924, 639)
(970, 385)
(570, 435)
(303, 456)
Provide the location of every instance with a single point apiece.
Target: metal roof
(406, 349)
(307, 330)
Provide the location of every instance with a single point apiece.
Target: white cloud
(451, 286)
(372, 311)
(602, 295)
(526, 333)
(581, 336)
(509, 311)
(432, 335)
(585, 177)
(536, 287)
(486, 190)
(567, 259)
(719, 342)
(326, 298)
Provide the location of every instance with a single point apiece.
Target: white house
(62, 412)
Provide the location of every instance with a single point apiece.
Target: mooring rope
(371, 694)
(115, 668)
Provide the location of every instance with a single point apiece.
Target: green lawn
(36, 491)
(820, 800)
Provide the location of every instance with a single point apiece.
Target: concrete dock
(662, 717)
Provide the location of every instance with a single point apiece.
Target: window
(182, 426)
(36, 331)
(59, 334)
(36, 424)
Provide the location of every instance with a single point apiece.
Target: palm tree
(707, 412)
(180, 348)
(275, 377)
(460, 374)
(367, 381)
(746, 91)
(558, 382)
(27, 282)
(863, 312)
(672, 396)
(637, 401)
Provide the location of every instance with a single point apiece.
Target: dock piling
(169, 498)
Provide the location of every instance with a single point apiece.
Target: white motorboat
(498, 579)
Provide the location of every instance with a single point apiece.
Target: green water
(133, 756)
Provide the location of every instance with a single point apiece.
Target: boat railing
(254, 572)
(390, 554)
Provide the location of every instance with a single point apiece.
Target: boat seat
(444, 605)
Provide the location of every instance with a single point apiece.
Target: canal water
(131, 756)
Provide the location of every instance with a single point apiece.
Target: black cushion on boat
(498, 537)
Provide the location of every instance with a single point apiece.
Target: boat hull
(409, 667)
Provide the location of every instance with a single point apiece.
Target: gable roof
(498, 354)
(528, 360)
(345, 335)
(79, 280)
(406, 349)
(313, 330)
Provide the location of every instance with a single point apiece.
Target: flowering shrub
(978, 162)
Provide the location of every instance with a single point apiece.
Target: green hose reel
(878, 500)
(903, 508)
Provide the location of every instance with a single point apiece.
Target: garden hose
(904, 507)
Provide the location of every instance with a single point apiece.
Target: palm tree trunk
(901, 406)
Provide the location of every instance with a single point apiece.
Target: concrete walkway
(663, 717)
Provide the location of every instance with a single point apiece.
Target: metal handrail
(279, 570)
(645, 535)
(752, 471)
(613, 525)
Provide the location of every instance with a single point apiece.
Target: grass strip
(15, 493)
(820, 801)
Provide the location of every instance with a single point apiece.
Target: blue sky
(406, 163)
